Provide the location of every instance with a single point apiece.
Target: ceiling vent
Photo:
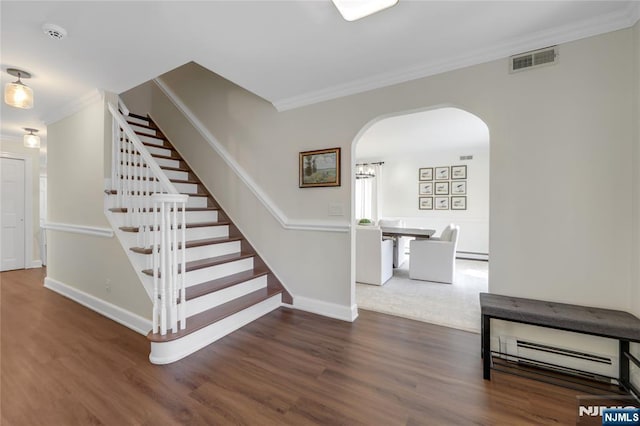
(466, 157)
(534, 59)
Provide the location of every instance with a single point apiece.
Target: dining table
(401, 231)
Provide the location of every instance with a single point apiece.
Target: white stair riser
(208, 301)
(186, 188)
(174, 174)
(193, 217)
(167, 163)
(137, 120)
(219, 271)
(151, 139)
(140, 129)
(158, 151)
(197, 201)
(132, 239)
(213, 250)
(167, 352)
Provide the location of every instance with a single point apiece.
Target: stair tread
(217, 313)
(188, 209)
(189, 226)
(192, 243)
(146, 126)
(139, 117)
(211, 261)
(201, 289)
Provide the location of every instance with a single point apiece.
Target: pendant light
(31, 140)
(17, 94)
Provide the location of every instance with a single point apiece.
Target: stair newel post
(147, 207)
(127, 182)
(155, 268)
(116, 134)
(174, 267)
(137, 190)
(163, 269)
(183, 265)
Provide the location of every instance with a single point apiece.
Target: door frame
(28, 206)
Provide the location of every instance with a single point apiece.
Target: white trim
(36, 264)
(79, 229)
(73, 106)
(283, 220)
(576, 31)
(327, 309)
(122, 316)
(28, 205)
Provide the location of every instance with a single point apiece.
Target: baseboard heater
(470, 255)
(574, 362)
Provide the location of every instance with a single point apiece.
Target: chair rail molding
(79, 229)
(267, 202)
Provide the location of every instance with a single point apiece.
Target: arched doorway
(434, 171)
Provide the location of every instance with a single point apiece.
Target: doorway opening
(424, 169)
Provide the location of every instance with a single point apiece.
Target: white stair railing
(154, 207)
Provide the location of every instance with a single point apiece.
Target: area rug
(452, 305)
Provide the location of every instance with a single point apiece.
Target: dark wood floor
(62, 364)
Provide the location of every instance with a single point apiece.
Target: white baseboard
(36, 264)
(327, 309)
(128, 319)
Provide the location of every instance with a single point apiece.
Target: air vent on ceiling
(56, 32)
(534, 59)
(466, 157)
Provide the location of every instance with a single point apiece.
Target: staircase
(226, 283)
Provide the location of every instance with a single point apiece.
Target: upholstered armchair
(374, 256)
(434, 259)
(399, 243)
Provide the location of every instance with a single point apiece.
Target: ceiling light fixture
(352, 10)
(54, 31)
(17, 94)
(31, 140)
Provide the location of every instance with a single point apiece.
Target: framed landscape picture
(425, 173)
(425, 203)
(320, 168)
(425, 188)
(458, 203)
(442, 203)
(442, 173)
(458, 172)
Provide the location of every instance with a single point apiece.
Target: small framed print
(458, 203)
(459, 188)
(425, 188)
(458, 172)
(442, 173)
(425, 203)
(425, 173)
(442, 203)
(442, 188)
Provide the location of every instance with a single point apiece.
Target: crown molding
(567, 33)
(73, 106)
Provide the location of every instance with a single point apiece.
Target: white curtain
(368, 194)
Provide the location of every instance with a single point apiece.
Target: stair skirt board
(174, 350)
(210, 300)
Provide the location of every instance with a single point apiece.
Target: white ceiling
(291, 52)
(443, 129)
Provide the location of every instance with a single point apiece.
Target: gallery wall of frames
(442, 187)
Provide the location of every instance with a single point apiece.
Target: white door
(12, 214)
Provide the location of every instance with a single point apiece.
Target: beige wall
(77, 147)
(562, 141)
(18, 148)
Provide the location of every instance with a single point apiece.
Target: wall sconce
(17, 94)
(31, 140)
